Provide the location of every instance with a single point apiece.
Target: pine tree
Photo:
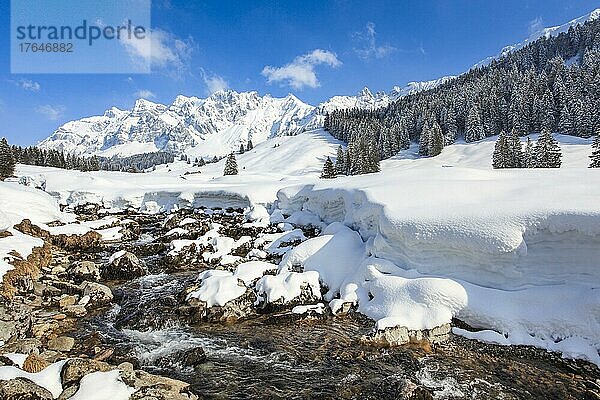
(516, 150)
(340, 162)
(474, 128)
(547, 151)
(329, 170)
(7, 161)
(529, 155)
(436, 140)
(230, 165)
(242, 150)
(595, 157)
(215, 159)
(249, 145)
(424, 140)
(500, 157)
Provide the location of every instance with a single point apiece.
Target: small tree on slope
(595, 157)
(340, 162)
(7, 161)
(501, 153)
(547, 151)
(230, 165)
(329, 171)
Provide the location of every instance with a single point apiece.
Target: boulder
(98, 294)
(399, 335)
(34, 363)
(123, 265)
(23, 389)
(77, 310)
(76, 368)
(61, 343)
(85, 271)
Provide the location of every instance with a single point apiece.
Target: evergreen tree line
(551, 84)
(509, 152)
(7, 160)
(136, 162)
(53, 158)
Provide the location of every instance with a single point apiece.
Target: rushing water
(279, 356)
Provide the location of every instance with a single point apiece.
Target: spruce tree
(230, 165)
(474, 128)
(424, 140)
(529, 155)
(242, 150)
(595, 157)
(500, 157)
(329, 171)
(516, 150)
(249, 145)
(436, 140)
(547, 151)
(7, 161)
(340, 162)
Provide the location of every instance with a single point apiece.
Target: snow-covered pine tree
(424, 139)
(529, 155)
(230, 165)
(200, 162)
(436, 140)
(329, 171)
(340, 162)
(500, 157)
(565, 124)
(547, 151)
(473, 127)
(7, 161)
(249, 145)
(516, 150)
(242, 150)
(215, 159)
(595, 157)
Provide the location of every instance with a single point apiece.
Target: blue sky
(314, 49)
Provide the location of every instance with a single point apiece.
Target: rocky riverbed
(144, 305)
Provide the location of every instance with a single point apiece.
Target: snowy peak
(544, 32)
(215, 125)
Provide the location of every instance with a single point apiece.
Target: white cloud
(160, 50)
(536, 25)
(370, 49)
(214, 83)
(51, 112)
(301, 71)
(29, 85)
(144, 94)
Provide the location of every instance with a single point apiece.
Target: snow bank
(103, 386)
(250, 271)
(48, 378)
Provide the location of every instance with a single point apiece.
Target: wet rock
(150, 386)
(99, 295)
(67, 300)
(240, 308)
(123, 265)
(400, 335)
(186, 358)
(34, 363)
(23, 389)
(85, 271)
(77, 310)
(75, 368)
(61, 343)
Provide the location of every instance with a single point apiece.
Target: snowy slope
(545, 32)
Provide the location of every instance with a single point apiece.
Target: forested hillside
(552, 83)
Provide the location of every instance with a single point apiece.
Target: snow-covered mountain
(212, 126)
(206, 127)
(544, 32)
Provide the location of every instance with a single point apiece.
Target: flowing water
(281, 356)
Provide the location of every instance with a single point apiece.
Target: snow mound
(218, 288)
(250, 271)
(286, 286)
(103, 386)
(48, 378)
